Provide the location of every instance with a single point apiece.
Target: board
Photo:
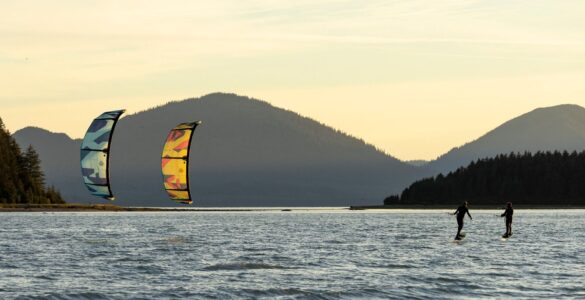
(461, 236)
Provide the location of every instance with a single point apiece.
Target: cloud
(150, 51)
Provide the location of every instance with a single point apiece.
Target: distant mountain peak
(35, 129)
(236, 106)
(38, 132)
(553, 112)
(559, 127)
(559, 115)
(561, 107)
(215, 97)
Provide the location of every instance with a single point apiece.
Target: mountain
(246, 153)
(59, 156)
(559, 127)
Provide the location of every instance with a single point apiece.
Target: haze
(414, 78)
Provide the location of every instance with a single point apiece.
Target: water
(290, 255)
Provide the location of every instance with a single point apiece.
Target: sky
(414, 78)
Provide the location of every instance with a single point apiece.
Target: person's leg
(509, 227)
(459, 227)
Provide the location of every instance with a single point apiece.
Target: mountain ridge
(246, 153)
(559, 124)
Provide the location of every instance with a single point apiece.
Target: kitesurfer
(508, 214)
(460, 212)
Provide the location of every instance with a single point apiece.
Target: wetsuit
(508, 214)
(460, 212)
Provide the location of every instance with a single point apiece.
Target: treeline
(21, 178)
(543, 178)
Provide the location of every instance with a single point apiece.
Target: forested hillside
(543, 178)
(21, 178)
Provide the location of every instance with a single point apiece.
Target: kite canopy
(95, 154)
(175, 162)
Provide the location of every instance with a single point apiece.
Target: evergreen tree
(11, 187)
(21, 178)
(54, 196)
(33, 168)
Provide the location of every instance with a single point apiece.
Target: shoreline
(474, 207)
(114, 208)
(104, 208)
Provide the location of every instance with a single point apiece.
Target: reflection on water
(325, 254)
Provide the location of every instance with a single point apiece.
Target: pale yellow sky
(415, 78)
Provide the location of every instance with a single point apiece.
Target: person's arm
(504, 214)
(456, 211)
(469, 215)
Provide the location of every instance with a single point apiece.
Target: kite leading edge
(175, 162)
(95, 154)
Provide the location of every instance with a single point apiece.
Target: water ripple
(274, 255)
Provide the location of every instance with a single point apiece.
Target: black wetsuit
(508, 214)
(461, 211)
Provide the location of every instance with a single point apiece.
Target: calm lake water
(290, 255)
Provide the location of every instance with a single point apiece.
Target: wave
(242, 266)
(55, 296)
(296, 293)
